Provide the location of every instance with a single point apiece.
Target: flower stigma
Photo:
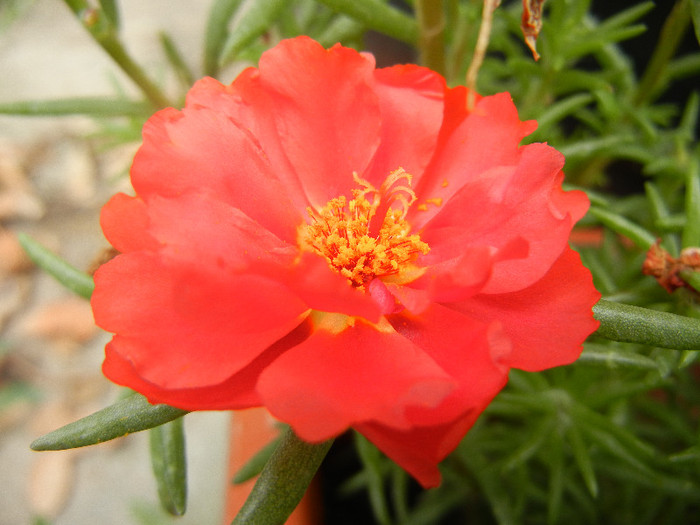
(349, 236)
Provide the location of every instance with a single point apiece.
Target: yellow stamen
(342, 231)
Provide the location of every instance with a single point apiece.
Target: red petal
(236, 392)
(323, 289)
(419, 450)
(333, 381)
(325, 113)
(522, 202)
(124, 221)
(486, 139)
(547, 322)
(200, 148)
(207, 232)
(460, 272)
(472, 353)
(411, 101)
(459, 277)
(469, 350)
(186, 326)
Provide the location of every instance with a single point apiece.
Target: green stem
(103, 31)
(670, 38)
(283, 481)
(66, 274)
(431, 34)
(115, 49)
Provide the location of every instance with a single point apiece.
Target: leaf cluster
(613, 438)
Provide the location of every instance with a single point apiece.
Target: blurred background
(55, 174)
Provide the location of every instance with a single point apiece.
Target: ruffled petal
(197, 148)
(199, 228)
(419, 450)
(183, 326)
(521, 202)
(325, 113)
(411, 101)
(467, 273)
(333, 381)
(547, 322)
(471, 351)
(124, 221)
(474, 354)
(487, 138)
(237, 392)
(323, 289)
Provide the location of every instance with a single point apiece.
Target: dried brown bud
(667, 269)
(531, 24)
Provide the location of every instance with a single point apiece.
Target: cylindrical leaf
(131, 414)
(624, 226)
(215, 35)
(176, 60)
(339, 30)
(64, 273)
(611, 357)
(372, 461)
(283, 481)
(111, 9)
(257, 19)
(169, 462)
(98, 107)
(255, 465)
(632, 324)
(583, 459)
(379, 16)
(691, 232)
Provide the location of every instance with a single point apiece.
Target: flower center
(352, 239)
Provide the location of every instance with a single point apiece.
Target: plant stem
(115, 49)
(431, 34)
(482, 43)
(670, 38)
(103, 31)
(283, 481)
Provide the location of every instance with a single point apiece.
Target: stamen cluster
(342, 232)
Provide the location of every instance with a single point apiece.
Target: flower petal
(226, 160)
(333, 381)
(547, 322)
(322, 289)
(183, 326)
(124, 221)
(324, 110)
(411, 101)
(237, 392)
(523, 202)
(486, 139)
(471, 351)
(419, 450)
(199, 228)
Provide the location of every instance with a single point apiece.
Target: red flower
(347, 246)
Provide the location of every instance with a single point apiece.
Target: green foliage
(613, 438)
(255, 465)
(69, 276)
(168, 459)
(130, 414)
